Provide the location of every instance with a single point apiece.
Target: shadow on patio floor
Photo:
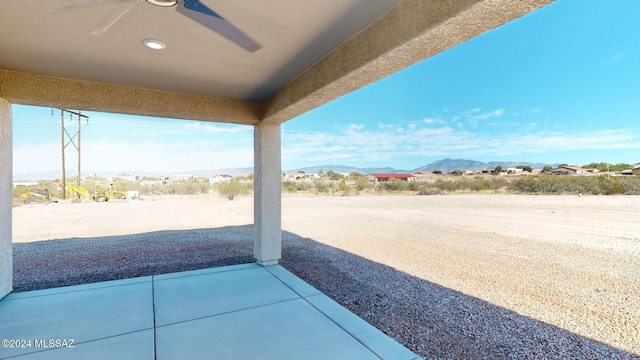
(429, 319)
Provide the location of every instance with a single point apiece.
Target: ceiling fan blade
(208, 18)
(117, 17)
(246, 16)
(81, 5)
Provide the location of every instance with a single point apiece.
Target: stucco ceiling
(294, 34)
(305, 48)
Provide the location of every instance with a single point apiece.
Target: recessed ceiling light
(154, 44)
(163, 3)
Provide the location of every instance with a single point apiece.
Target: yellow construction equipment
(101, 192)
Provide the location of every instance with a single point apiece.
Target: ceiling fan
(193, 9)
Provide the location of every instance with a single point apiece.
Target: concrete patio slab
(287, 330)
(195, 296)
(232, 312)
(75, 314)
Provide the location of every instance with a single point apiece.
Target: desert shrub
(428, 189)
(475, 184)
(334, 176)
(362, 183)
(342, 186)
(53, 187)
(322, 186)
(125, 185)
(631, 185)
(486, 184)
(19, 191)
(610, 186)
(449, 186)
(232, 189)
(295, 186)
(155, 189)
(393, 185)
(304, 185)
(524, 185)
(289, 186)
(205, 186)
(186, 187)
(550, 184)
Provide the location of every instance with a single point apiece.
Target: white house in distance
(220, 179)
(572, 170)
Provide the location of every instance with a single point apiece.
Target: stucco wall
(267, 194)
(6, 152)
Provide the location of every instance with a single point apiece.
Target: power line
(73, 139)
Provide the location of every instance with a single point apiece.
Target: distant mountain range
(52, 175)
(444, 165)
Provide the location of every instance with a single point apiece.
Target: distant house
(570, 170)
(220, 179)
(179, 177)
(636, 169)
(127, 177)
(379, 177)
(293, 175)
(25, 183)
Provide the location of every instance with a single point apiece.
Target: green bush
(553, 184)
(322, 186)
(631, 185)
(289, 186)
(362, 183)
(233, 188)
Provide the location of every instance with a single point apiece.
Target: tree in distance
(526, 168)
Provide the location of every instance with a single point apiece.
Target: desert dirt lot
(565, 262)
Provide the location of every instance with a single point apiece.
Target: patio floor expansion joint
(224, 313)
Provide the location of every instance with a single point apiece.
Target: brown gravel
(459, 276)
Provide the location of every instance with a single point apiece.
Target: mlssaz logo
(53, 343)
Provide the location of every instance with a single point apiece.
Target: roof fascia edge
(41, 90)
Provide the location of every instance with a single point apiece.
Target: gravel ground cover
(449, 277)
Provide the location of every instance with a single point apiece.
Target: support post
(267, 245)
(6, 188)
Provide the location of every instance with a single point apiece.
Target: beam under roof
(40, 90)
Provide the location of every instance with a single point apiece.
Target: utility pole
(79, 152)
(71, 141)
(64, 174)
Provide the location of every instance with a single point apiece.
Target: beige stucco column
(267, 245)
(6, 154)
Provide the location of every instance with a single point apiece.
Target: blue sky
(560, 85)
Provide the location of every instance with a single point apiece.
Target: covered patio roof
(89, 54)
(248, 62)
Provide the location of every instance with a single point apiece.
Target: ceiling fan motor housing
(163, 3)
